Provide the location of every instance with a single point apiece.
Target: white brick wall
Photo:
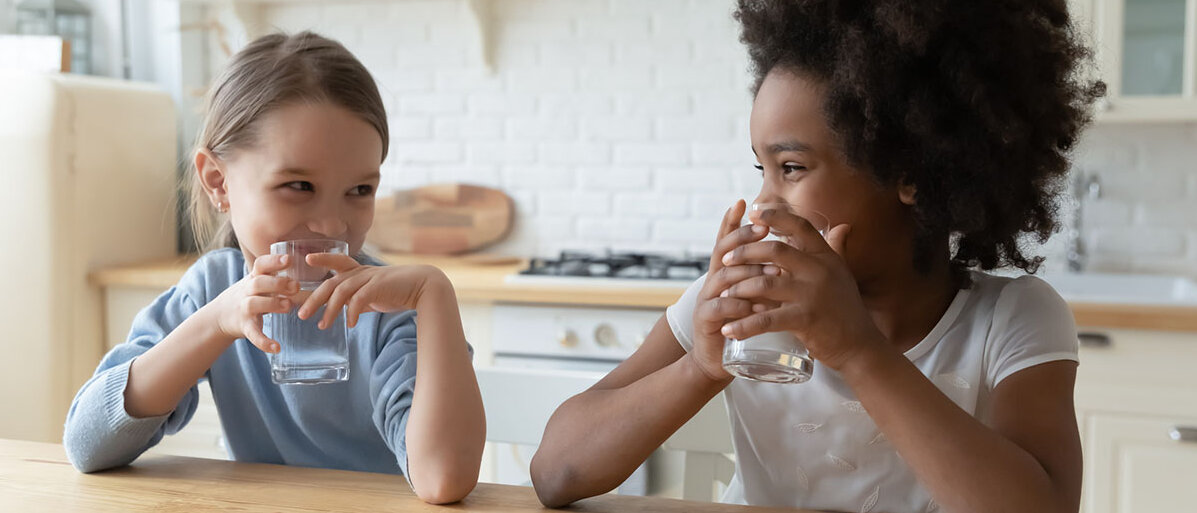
(624, 124)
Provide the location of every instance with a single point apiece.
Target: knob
(606, 336)
(567, 338)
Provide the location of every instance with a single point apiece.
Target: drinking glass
(307, 354)
(774, 357)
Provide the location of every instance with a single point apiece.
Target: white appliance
(543, 355)
(88, 168)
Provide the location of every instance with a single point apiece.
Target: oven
(544, 354)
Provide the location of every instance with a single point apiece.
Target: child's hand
(242, 305)
(712, 311)
(366, 288)
(816, 295)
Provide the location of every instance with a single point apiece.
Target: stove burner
(619, 265)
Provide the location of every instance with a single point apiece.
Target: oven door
(520, 394)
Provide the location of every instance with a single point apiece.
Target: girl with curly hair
(934, 135)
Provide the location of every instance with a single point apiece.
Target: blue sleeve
(393, 381)
(99, 433)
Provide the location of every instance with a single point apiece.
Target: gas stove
(610, 265)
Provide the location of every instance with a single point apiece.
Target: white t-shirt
(813, 445)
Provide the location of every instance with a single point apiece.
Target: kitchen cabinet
(1146, 52)
(1136, 398)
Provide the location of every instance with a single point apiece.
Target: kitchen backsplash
(623, 124)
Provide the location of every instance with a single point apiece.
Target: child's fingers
(266, 284)
(769, 288)
(719, 281)
(731, 221)
(253, 332)
(318, 297)
(721, 309)
(837, 238)
(270, 264)
(800, 232)
(755, 324)
(776, 253)
(339, 298)
(335, 261)
(258, 305)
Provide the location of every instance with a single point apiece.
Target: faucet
(1085, 186)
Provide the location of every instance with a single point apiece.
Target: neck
(907, 304)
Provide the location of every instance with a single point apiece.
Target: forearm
(446, 431)
(965, 465)
(160, 377)
(596, 439)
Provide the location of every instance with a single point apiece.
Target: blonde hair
(271, 72)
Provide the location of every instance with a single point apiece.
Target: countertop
(485, 279)
(38, 477)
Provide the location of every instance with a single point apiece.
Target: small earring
(222, 207)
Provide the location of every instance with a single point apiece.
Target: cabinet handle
(1094, 339)
(1183, 433)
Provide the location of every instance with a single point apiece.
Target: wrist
(435, 288)
(703, 377)
(212, 324)
(869, 362)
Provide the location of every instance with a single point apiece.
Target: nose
(766, 196)
(327, 221)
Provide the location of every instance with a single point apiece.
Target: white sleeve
(681, 314)
(1031, 325)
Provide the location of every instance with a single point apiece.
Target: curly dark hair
(977, 104)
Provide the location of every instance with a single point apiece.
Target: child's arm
(439, 432)
(447, 429)
(146, 387)
(597, 438)
(160, 377)
(1028, 461)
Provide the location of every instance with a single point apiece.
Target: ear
(907, 193)
(212, 176)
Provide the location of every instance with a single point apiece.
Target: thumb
(837, 238)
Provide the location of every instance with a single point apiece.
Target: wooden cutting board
(441, 219)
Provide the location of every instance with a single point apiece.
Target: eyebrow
(370, 175)
(788, 146)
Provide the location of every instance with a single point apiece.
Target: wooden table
(38, 477)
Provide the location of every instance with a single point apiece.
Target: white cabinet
(1131, 395)
(1142, 468)
(1146, 52)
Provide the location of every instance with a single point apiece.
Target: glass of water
(775, 357)
(307, 353)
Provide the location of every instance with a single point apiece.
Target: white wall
(623, 123)
(7, 19)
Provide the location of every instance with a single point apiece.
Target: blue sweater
(358, 424)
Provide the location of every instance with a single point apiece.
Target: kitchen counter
(484, 279)
(476, 278)
(38, 477)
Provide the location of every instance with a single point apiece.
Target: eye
(791, 168)
(362, 190)
(300, 186)
(759, 167)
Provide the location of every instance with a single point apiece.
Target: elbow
(88, 463)
(551, 483)
(444, 489)
(445, 482)
(84, 461)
